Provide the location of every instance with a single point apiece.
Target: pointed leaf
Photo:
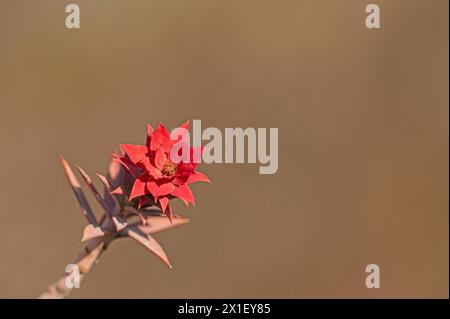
(118, 191)
(132, 168)
(155, 224)
(91, 231)
(117, 224)
(148, 242)
(159, 223)
(79, 194)
(110, 199)
(115, 174)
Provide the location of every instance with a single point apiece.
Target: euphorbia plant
(136, 195)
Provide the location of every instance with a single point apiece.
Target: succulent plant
(140, 182)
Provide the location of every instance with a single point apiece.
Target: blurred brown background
(363, 143)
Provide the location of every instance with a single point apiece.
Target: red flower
(155, 177)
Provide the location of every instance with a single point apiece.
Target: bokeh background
(363, 143)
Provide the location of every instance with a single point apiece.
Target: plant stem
(87, 258)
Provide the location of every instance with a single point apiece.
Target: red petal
(143, 201)
(189, 166)
(180, 179)
(152, 170)
(149, 135)
(198, 177)
(166, 189)
(159, 190)
(185, 168)
(138, 189)
(182, 132)
(164, 201)
(160, 137)
(196, 155)
(134, 170)
(185, 125)
(184, 193)
(160, 158)
(135, 152)
(153, 188)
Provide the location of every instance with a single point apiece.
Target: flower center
(169, 169)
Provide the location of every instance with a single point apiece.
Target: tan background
(363, 160)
